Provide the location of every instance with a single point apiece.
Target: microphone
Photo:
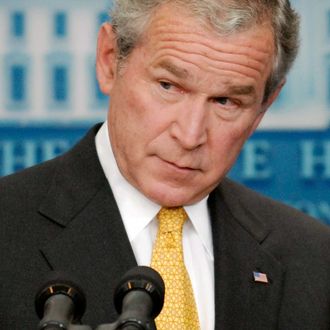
(138, 298)
(59, 303)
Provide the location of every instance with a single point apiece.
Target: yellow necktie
(179, 311)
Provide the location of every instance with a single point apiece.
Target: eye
(227, 108)
(226, 102)
(165, 85)
(222, 100)
(168, 91)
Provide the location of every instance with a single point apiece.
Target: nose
(189, 127)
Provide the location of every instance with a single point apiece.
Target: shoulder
(19, 191)
(239, 196)
(289, 230)
(26, 184)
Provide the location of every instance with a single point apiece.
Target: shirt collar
(200, 218)
(136, 210)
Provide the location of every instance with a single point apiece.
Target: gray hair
(130, 19)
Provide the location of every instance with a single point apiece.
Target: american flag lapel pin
(260, 277)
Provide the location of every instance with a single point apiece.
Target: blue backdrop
(49, 98)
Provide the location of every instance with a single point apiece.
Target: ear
(266, 104)
(106, 58)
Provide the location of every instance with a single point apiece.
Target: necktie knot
(171, 219)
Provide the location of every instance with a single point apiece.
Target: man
(189, 81)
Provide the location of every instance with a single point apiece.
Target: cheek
(147, 117)
(138, 109)
(127, 111)
(227, 135)
(134, 126)
(225, 146)
(238, 132)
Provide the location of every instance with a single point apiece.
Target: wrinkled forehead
(221, 24)
(173, 20)
(174, 33)
(224, 17)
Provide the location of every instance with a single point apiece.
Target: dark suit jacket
(62, 215)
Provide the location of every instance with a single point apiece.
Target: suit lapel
(93, 244)
(240, 301)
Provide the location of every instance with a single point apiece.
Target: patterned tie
(179, 311)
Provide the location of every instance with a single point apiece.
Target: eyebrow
(174, 69)
(184, 74)
(242, 90)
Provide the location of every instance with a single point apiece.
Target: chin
(172, 197)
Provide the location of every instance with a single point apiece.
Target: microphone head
(58, 283)
(141, 278)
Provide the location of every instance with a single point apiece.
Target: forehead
(172, 13)
(173, 33)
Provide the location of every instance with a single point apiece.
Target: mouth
(177, 167)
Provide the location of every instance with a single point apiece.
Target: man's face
(183, 103)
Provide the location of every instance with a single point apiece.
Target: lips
(179, 167)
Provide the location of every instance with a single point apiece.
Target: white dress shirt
(139, 217)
